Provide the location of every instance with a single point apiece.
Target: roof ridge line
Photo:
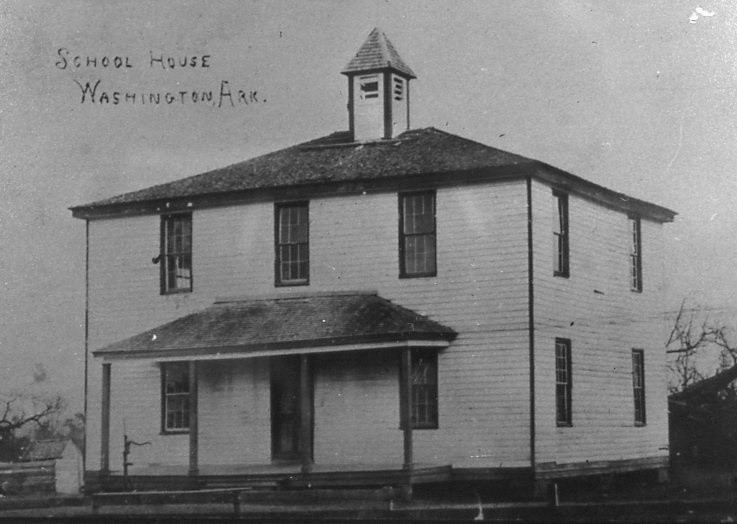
(384, 47)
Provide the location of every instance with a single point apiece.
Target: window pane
(560, 234)
(176, 395)
(284, 225)
(638, 384)
(429, 258)
(176, 256)
(408, 215)
(293, 243)
(563, 382)
(424, 391)
(303, 270)
(635, 255)
(177, 378)
(419, 214)
(418, 234)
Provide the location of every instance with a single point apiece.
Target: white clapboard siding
(480, 291)
(234, 412)
(357, 409)
(604, 320)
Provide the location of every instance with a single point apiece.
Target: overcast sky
(639, 96)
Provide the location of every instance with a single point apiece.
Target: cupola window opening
(369, 87)
(398, 88)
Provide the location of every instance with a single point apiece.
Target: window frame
(638, 385)
(279, 281)
(398, 84)
(561, 235)
(166, 395)
(635, 266)
(431, 388)
(364, 94)
(563, 419)
(165, 255)
(403, 273)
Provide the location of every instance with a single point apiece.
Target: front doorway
(285, 408)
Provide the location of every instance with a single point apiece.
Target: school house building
(379, 305)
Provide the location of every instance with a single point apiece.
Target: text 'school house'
(383, 304)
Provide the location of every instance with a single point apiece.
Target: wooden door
(285, 414)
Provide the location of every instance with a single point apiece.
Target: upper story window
(560, 235)
(398, 88)
(638, 385)
(176, 253)
(417, 234)
(292, 244)
(635, 254)
(175, 396)
(424, 390)
(368, 87)
(563, 383)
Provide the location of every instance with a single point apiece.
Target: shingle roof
(45, 449)
(377, 52)
(708, 386)
(285, 322)
(334, 158)
(328, 162)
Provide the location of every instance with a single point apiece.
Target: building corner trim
(86, 334)
(531, 321)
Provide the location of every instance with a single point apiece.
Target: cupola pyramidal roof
(377, 52)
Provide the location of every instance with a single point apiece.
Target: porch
(333, 375)
(268, 476)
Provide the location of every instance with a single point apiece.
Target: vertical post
(405, 395)
(105, 422)
(193, 426)
(305, 412)
(387, 86)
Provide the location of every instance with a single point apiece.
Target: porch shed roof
(289, 322)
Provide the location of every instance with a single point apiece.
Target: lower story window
(638, 385)
(175, 396)
(563, 385)
(424, 390)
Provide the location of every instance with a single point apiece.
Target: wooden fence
(27, 477)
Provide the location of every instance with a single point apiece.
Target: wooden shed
(62, 459)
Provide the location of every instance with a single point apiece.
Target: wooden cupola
(378, 90)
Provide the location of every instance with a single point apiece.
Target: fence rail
(27, 477)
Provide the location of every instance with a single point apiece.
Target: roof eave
(307, 190)
(539, 170)
(569, 182)
(388, 67)
(437, 340)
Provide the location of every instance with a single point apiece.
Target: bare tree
(21, 411)
(693, 333)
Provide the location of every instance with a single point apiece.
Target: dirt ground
(692, 495)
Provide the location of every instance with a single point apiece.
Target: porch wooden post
(305, 411)
(193, 426)
(405, 396)
(105, 422)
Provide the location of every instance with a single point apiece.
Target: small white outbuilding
(65, 458)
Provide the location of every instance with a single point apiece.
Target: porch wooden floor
(275, 476)
(267, 469)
